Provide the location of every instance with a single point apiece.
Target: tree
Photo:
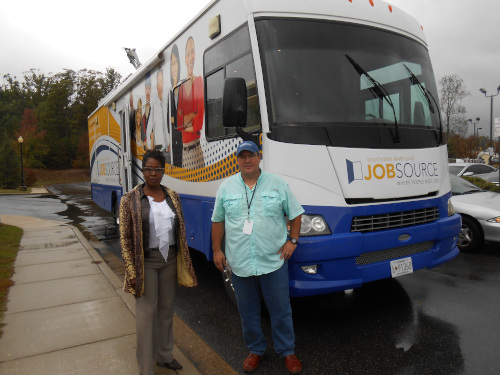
(12, 104)
(452, 91)
(460, 147)
(34, 146)
(50, 112)
(55, 118)
(10, 166)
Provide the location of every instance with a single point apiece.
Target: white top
(161, 226)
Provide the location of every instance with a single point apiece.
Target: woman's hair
(155, 154)
(175, 52)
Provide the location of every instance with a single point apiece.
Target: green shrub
(483, 184)
(10, 166)
(30, 177)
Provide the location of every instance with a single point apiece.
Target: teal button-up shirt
(265, 206)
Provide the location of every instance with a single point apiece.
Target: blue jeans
(275, 291)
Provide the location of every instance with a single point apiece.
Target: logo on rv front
(404, 170)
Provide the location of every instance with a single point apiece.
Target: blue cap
(248, 146)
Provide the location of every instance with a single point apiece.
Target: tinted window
(477, 169)
(347, 85)
(461, 186)
(230, 58)
(455, 169)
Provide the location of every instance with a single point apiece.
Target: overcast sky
(463, 38)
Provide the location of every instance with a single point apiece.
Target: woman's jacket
(134, 214)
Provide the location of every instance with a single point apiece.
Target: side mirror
(468, 174)
(234, 103)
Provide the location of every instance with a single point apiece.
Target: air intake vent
(394, 253)
(393, 220)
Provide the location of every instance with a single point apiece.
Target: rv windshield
(347, 85)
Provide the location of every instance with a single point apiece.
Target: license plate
(401, 267)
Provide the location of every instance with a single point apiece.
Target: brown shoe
(293, 364)
(251, 363)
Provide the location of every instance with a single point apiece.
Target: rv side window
(215, 87)
(230, 58)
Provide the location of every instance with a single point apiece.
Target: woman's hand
(133, 284)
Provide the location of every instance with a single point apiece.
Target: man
(158, 118)
(250, 211)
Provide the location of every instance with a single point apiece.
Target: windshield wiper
(414, 80)
(379, 91)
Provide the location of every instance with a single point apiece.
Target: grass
(63, 176)
(52, 177)
(10, 237)
(483, 184)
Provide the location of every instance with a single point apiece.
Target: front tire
(470, 237)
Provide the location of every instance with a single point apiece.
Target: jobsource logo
(382, 169)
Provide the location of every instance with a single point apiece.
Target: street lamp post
(491, 111)
(477, 137)
(23, 185)
(474, 123)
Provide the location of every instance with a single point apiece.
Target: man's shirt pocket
(272, 205)
(233, 205)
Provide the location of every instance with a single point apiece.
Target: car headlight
(313, 225)
(451, 211)
(494, 220)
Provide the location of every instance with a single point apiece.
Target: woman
(138, 124)
(155, 251)
(190, 112)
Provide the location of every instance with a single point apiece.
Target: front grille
(393, 220)
(394, 253)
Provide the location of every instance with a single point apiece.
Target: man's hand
(287, 250)
(217, 237)
(219, 260)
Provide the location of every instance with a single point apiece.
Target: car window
(461, 186)
(455, 169)
(477, 169)
(486, 169)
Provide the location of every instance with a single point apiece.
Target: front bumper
(336, 255)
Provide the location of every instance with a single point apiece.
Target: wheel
(470, 236)
(227, 277)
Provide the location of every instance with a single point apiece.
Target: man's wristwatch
(294, 241)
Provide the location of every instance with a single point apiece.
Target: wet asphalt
(439, 321)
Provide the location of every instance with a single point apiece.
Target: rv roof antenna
(132, 56)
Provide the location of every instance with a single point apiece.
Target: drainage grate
(394, 220)
(394, 253)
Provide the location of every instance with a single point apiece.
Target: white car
(469, 169)
(480, 211)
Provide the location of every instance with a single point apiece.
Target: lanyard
(251, 200)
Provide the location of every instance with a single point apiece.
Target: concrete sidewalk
(67, 312)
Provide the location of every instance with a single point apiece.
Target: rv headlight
(451, 211)
(313, 225)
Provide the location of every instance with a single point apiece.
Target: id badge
(248, 227)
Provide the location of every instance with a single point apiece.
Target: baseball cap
(247, 146)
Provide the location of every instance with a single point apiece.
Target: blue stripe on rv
(336, 254)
